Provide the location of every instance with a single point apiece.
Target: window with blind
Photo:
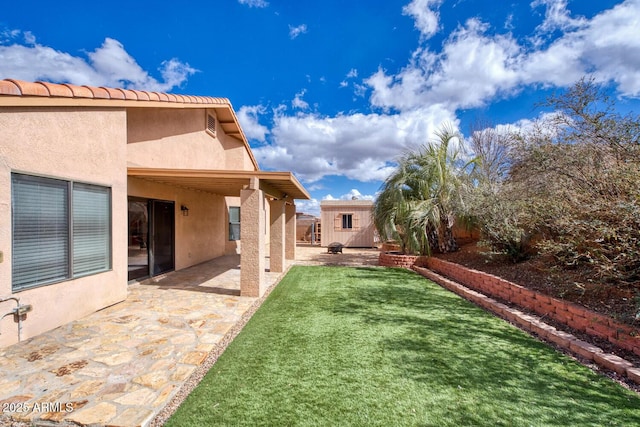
(91, 229)
(61, 230)
(234, 223)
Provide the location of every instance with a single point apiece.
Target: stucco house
(100, 186)
(349, 222)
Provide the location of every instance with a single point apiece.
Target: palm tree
(419, 203)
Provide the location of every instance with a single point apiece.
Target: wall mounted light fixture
(185, 210)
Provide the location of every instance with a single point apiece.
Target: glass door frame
(154, 236)
(150, 241)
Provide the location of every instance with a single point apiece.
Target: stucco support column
(277, 242)
(290, 231)
(252, 237)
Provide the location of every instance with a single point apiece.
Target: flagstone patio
(122, 365)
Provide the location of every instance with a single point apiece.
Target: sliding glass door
(151, 237)
(161, 254)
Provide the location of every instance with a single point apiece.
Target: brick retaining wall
(575, 316)
(390, 259)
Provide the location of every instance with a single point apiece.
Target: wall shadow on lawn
(447, 343)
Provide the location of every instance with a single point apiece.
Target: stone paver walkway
(120, 366)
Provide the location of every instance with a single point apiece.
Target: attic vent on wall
(211, 124)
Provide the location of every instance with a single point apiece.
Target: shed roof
(350, 203)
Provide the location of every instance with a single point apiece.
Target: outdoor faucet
(18, 312)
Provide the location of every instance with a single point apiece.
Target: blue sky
(335, 90)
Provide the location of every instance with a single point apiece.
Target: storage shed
(349, 222)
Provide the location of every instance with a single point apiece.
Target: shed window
(347, 221)
(60, 230)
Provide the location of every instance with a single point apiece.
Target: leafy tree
(576, 178)
(495, 204)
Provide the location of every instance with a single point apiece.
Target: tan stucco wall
(177, 139)
(73, 144)
(203, 234)
(363, 236)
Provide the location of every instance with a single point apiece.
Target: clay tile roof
(29, 88)
(12, 87)
(129, 94)
(9, 88)
(153, 96)
(98, 92)
(57, 90)
(113, 93)
(141, 95)
(80, 91)
(163, 96)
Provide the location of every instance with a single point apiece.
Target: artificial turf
(340, 346)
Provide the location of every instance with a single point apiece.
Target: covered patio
(259, 192)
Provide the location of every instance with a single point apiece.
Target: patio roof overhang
(280, 185)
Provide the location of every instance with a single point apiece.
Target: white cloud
(476, 66)
(298, 102)
(471, 68)
(248, 117)
(607, 46)
(426, 19)
(352, 74)
(312, 206)
(357, 146)
(29, 38)
(557, 16)
(353, 194)
(296, 31)
(108, 65)
(254, 3)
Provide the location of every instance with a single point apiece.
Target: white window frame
(234, 223)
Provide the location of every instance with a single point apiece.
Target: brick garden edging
(475, 285)
(390, 259)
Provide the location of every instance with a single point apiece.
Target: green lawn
(367, 346)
